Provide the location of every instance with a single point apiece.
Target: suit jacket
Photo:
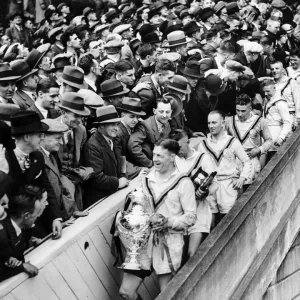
(35, 175)
(80, 137)
(11, 246)
(107, 167)
(121, 141)
(142, 141)
(17, 37)
(22, 99)
(52, 113)
(207, 64)
(148, 96)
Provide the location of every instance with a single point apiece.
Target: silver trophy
(134, 229)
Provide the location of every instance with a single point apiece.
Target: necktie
(52, 159)
(27, 162)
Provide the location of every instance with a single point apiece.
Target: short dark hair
(295, 52)
(266, 41)
(65, 38)
(226, 46)
(146, 49)
(45, 84)
(218, 112)
(122, 66)
(25, 200)
(243, 99)
(164, 65)
(170, 145)
(211, 34)
(178, 134)
(85, 62)
(276, 62)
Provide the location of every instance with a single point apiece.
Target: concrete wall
(242, 255)
(80, 264)
(286, 284)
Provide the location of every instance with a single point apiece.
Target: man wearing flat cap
(63, 190)
(101, 154)
(131, 111)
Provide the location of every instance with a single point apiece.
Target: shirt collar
(160, 126)
(43, 111)
(16, 227)
(109, 141)
(19, 153)
(224, 136)
(249, 120)
(90, 82)
(46, 151)
(127, 128)
(152, 175)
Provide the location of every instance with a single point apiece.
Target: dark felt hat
(192, 69)
(107, 114)
(73, 102)
(151, 38)
(232, 8)
(74, 76)
(22, 68)
(26, 122)
(112, 87)
(6, 72)
(7, 110)
(132, 105)
(205, 13)
(191, 27)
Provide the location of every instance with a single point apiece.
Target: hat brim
(142, 113)
(109, 121)
(179, 90)
(84, 85)
(181, 70)
(43, 128)
(86, 112)
(28, 74)
(126, 91)
(41, 57)
(10, 78)
(179, 44)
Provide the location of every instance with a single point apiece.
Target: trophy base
(131, 266)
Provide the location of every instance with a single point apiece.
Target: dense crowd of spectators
(90, 100)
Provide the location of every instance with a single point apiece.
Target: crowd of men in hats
(161, 89)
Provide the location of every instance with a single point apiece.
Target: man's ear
(154, 109)
(40, 94)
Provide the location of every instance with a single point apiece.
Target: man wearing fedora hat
(58, 63)
(47, 97)
(7, 83)
(113, 92)
(164, 72)
(131, 111)
(54, 36)
(92, 101)
(193, 31)
(149, 132)
(208, 17)
(26, 166)
(25, 95)
(101, 154)
(72, 80)
(177, 42)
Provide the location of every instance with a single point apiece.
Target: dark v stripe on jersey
(215, 156)
(237, 133)
(159, 201)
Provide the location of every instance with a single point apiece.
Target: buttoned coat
(142, 141)
(15, 36)
(107, 169)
